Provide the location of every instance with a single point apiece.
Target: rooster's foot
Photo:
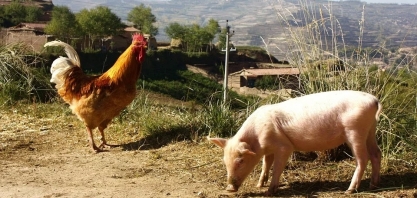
(108, 146)
(97, 149)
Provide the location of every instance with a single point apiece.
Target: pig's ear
(220, 142)
(245, 149)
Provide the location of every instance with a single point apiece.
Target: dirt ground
(48, 156)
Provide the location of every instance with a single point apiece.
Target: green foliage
(193, 37)
(192, 121)
(15, 13)
(219, 120)
(143, 19)
(222, 38)
(267, 83)
(32, 13)
(212, 27)
(63, 24)
(164, 64)
(188, 86)
(98, 23)
(176, 30)
(21, 78)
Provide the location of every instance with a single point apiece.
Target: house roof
(267, 72)
(29, 26)
(131, 29)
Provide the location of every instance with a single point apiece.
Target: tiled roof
(131, 29)
(29, 26)
(267, 72)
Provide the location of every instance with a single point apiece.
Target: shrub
(22, 75)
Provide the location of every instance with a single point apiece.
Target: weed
(20, 76)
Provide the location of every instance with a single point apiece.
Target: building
(124, 39)
(287, 78)
(31, 34)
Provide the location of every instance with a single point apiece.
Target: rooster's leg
(101, 128)
(91, 140)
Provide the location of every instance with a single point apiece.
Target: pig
(315, 122)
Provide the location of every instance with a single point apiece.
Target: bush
(189, 86)
(22, 75)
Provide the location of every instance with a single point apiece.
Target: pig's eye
(238, 161)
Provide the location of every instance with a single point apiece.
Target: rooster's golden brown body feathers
(96, 100)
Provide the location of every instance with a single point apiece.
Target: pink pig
(313, 122)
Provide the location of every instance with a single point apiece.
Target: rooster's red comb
(138, 38)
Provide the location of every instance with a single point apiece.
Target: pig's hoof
(268, 194)
(231, 188)
(350, 191)
(271, 191)
(373, 187)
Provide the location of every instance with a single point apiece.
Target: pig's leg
(280, 160)
(359, 149)
(375, 157)
(266, 166)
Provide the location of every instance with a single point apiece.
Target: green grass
(317, 48)
(22, 75)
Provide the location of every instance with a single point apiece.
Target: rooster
(96, 100)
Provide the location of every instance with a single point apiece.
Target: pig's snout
(232, 188)
(233, 184)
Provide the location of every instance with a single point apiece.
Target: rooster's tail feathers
(59, 71)
(69, 50)
(62, 65)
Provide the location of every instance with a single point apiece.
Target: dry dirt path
(40, 158)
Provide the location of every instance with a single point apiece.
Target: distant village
(33, 34)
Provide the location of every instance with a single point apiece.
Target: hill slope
(261, 22)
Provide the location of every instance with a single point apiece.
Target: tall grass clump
(317, 48)
(21, 76)
(218, 120)
(157, 120)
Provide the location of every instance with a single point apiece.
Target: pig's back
(320, 121)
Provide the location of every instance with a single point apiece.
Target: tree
(176, 31)
(193, 36)
(99, 23)
(32, 13)
(63, 24)
(212, 28)
(15, 13)
(222, 38)
(143, 19)
(2, 17)
(197, 37)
